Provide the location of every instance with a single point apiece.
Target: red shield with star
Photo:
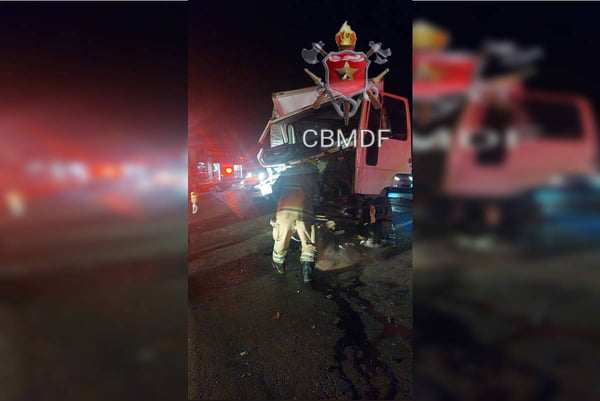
(346, 72)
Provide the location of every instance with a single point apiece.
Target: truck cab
(360, 164)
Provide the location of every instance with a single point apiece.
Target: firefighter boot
(307, 271)
(280, 267)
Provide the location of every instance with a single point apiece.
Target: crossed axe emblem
(310, 55)
(345, 106)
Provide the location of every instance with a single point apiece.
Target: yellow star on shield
(346, 72)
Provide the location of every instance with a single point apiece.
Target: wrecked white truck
(362, 164)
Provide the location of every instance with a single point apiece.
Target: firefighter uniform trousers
(285, 223)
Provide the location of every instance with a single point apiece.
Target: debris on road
(243, 353)
(276, 316)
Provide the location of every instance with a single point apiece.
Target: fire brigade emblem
(346, 73)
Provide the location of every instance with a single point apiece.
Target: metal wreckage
(335, 124)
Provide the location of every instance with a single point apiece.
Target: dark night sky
(106, 79)
(112, 76)
(240, 54)
(567, 31)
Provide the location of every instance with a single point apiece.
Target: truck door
(503, 148)
(376, 166)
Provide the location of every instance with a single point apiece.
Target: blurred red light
(228, 170)
(106, 171)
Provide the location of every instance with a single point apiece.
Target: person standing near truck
(297, 192)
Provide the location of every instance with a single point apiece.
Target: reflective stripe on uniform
(305, 257)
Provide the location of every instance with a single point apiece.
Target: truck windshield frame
(395, 112)
(372, 153)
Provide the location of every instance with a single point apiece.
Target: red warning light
(228, 170)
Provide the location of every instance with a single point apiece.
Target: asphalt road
(254, 334)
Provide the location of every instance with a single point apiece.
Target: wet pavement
(255, 334)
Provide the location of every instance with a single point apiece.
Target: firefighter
(298, 193)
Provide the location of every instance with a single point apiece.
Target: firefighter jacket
(297, 191)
